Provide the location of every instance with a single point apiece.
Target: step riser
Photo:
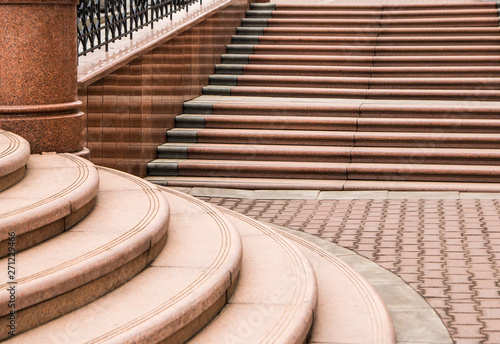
(384, 24)
(361, 61)
(375, 7)
(358, 83)
(343, 139)
(356, 72)
(369, 32)
(326, 174)
(365, 41)
(370, 51)
(354, 93)
(343, 111)
(348, 125)
(346, 156)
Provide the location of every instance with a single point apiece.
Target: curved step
(275, 299)
(173, 298)
(14, 155)
(56, 193)
(349, 309)
(124, 232)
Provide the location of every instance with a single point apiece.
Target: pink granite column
(38, 74)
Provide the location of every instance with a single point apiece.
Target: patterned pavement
(448, 250)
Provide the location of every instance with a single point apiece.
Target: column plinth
(38, 74)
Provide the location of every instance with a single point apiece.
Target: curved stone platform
(275, 300)
(56, 193)
(14, 155)
(174, 297)
(125, 231)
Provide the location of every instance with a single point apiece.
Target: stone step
(363, 319)
(316, 184)
(283, 122)
(372, 83)
(362, 50)
(334, 138)
(375, 6)
(381, 14)
(367, 41)
(173, 298)
(323, 170)
(359, 71)
(14, 155)
(124, 232)
(490, 21)
(341, 154)
(276, 297)
(259, 106)
(57, 191)
(355, 93)
(370, 31)
(364, 61)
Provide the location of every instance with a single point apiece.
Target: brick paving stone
(447, 250)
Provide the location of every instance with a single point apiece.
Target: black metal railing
(100, 22)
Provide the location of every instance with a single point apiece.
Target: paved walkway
(446, 249)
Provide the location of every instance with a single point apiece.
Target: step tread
(335, 92)
(364, 317)
(323, 185)
(277, 279)
(128, 223)
(293, 165)
(56, 187)
(429, 151)
(14, 155)
(317, 133)
(185, 285)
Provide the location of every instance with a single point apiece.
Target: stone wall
(129, 110)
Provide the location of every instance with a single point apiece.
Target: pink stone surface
(39, 94)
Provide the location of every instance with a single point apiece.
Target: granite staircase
(339, 97)
(94, 255)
